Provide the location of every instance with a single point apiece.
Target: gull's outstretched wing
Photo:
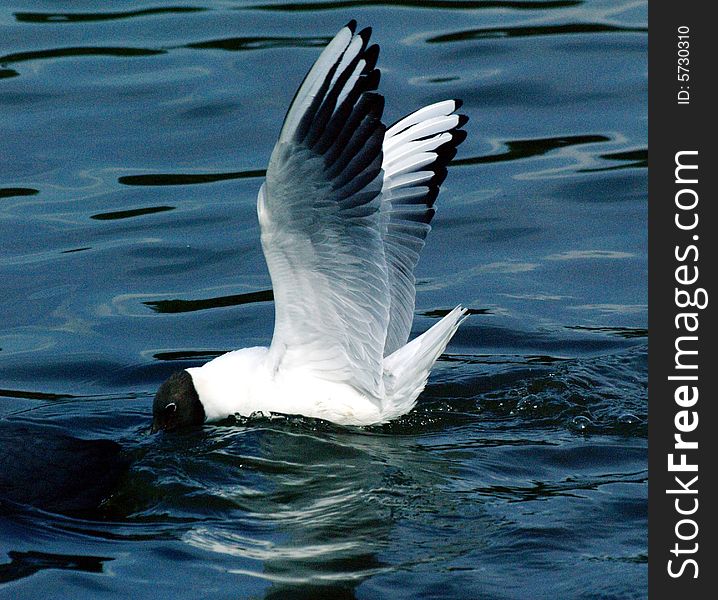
(416, 151)
(321, 229)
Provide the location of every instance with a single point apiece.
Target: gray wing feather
(319, 213)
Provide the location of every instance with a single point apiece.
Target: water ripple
(632, 159)
(421, 4)
(541, 30)
(78, 17)
(522, 149)
(260, 43)
(121, 52)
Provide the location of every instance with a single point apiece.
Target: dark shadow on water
(187, 178)
(506, 32)
(504, 360)
(29, 395)
(188, 355)
(183, 306)
(624, 332)
(439, 313)
(73, 250)
(25, 564)
(53, 18)
(260, 43)
(128, 214)
(16, 57)
(55, 472)
(12, 192)
(430, 4)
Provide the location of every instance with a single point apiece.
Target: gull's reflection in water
(319, 505)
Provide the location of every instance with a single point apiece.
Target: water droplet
(529, 402)
(581, 423)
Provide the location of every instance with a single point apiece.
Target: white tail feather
(406, 371)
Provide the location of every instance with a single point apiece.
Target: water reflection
(322, 503)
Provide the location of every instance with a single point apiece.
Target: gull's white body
(256, 389)
(343, 213)
(243, 382)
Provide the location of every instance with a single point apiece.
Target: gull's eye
(171, 408)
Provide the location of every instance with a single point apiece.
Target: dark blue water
(133, 138)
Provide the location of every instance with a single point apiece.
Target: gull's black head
(177, 404)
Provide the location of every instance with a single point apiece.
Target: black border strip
(675, 256)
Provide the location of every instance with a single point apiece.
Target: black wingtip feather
(375, 101)
(346, 187)
(446, 152)
(463, 120)
(371, 80)
(440, 173)
(458, 103)
(347, 118)
(365, 34)
(352, 25)
(431, 196)
(424, 215)
(444, 155)
(365, 121)
(457, 137)
(371, 55)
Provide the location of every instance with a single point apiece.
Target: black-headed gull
(343, 213)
